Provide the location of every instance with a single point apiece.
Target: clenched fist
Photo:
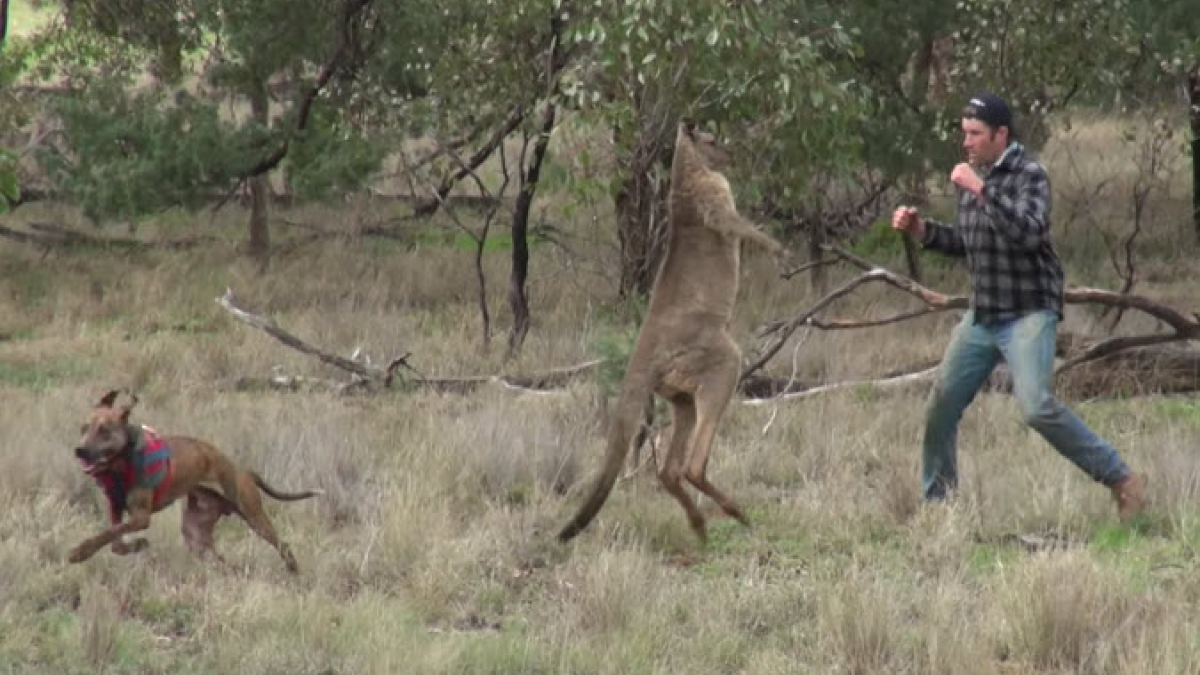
(908, 219)
(965, 177)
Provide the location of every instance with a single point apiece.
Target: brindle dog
(213, 485)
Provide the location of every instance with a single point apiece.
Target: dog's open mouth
(92, 467)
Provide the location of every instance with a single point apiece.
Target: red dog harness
(147, 465)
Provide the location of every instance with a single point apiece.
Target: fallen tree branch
(46, 234)
(1184, 327)
(271, 328)
(842, 324)
(882, 383)
(365, 373)
(808, 266)
(788, 327)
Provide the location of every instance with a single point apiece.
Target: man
(1002, 228)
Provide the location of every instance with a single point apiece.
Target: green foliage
(46, 373)
(138, 155)
(1180, 410)
(330, 159)
(880, 242)
(461, 241)
(1041, 54)
(157, 114)
(759, 73)
(1168, 33)
(9, 192)
(615, 343)
(614, 348)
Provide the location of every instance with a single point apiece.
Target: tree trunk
(3, 22)
(926, 80)
(1194, 99)
(260, 236)
(517, 299)
(641, 228)
(818, 277)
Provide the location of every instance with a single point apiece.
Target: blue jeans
(1027, 345)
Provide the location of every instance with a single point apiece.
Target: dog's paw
(125, 548)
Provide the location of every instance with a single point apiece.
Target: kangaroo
(684, 352)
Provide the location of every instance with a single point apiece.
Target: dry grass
(432, 550)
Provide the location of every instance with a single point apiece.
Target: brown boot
(1130, 495)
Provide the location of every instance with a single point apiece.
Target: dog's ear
(127, 407)
(106, 401)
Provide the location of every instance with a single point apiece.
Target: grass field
(432, 550)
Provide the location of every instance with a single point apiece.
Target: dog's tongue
(89, 467)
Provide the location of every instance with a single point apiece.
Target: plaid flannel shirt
(1005, 236)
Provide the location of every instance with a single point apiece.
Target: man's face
(983, 144)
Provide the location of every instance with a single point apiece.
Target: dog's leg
(200, 515)
(139, 520)
(256, 518)
(671, 474)
(122, 547)
(712, 397)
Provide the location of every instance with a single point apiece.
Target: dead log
(761, 390)
(1177, 370)
(364, 375)
(1139, 371)
(359, 369)
(49, 235)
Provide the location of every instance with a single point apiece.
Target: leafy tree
(1168, 33)
(498, 69)
(152, 84)
(759, 73)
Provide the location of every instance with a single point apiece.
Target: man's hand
(965, 177)
(908, 219)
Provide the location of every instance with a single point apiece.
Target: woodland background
(457, 208)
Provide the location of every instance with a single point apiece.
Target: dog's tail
(283, 496)
(635, 393)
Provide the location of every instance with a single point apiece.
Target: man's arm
(944, 239)
(1024, 220)
(933, 235)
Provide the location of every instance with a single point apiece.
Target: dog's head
(106, 437)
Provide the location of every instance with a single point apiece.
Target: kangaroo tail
(625, 423)
(283, 496)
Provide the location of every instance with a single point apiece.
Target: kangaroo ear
(106, 401)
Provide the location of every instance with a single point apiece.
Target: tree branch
(366, 373)
(466, 168)
(1184, 327)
